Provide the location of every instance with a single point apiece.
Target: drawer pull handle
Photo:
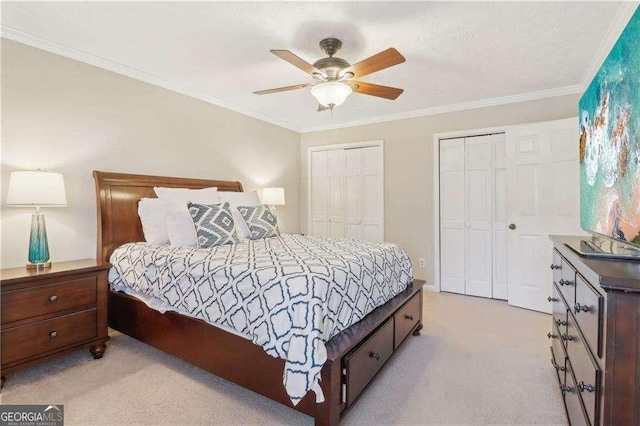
(578, 307)
(374, 355)
(409, 317)
(565, 282)
(552, 299)
(567, 337)
(555, 266)
(551, 336)
(587, 388)
(564, 388)
(559, 367)
(561, 323)
(53, 298)
(53, 334)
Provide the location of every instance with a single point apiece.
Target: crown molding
(483, 103)
(88, 58)
(626, 11)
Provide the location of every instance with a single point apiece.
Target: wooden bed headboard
(117, 197)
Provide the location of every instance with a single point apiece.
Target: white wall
(408, 150)
(62, 115)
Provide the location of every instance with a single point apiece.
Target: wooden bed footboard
(240, 361)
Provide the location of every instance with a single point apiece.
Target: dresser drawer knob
(578, 307)
(586, 388)
(561, 323)
(374, 355)
(567, 337)
(552, 299)
(559, 367)
(409, 317)
(565, 388)
(565, 282)
(53, 298)
(551, 336)
(53, 334)
(555, 266)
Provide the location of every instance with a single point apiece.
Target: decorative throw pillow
(214, 224)
(262, 221)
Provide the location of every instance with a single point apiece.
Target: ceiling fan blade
(283, 89)
(386, 92)
(377, 62)
(294, 60)
(322, 108)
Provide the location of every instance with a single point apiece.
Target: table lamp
(37, 189)
(273, 197)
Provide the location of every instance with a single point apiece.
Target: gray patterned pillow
(262, 221)
(214, 224)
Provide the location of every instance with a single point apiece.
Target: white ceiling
(457, 52)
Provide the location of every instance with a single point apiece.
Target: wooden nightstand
(45, 314)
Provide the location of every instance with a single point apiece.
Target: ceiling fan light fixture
(331, 94)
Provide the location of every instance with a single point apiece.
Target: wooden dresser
(595, 336)
(48, 313)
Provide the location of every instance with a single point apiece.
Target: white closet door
(319, 194)
(335, 173)
(452, 216)
(543, 195)
(372, 194)
(353, 193)
(498, 142)
(478, 193)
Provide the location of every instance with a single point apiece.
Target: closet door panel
(319, 194)
(500, 284)
(452, 216)
(353, 193)
(372, 196)
(335, 172)
(478, 193)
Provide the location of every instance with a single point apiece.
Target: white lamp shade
(331, 94)
(273, 196)
(36, 188)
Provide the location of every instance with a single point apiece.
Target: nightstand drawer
(44, 336)
(35, 301)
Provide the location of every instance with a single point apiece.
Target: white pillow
(154, 221)
(236, 199)
(180, 227)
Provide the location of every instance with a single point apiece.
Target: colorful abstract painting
(610, 142)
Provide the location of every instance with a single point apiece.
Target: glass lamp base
(38, 266)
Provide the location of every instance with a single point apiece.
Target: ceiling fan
(336, 78)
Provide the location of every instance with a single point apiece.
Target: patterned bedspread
(290, 293)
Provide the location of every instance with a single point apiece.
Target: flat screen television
(610, 145)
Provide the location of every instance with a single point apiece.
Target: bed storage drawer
(45, 336)
(45, 299)
(406, 319)
(364, 362)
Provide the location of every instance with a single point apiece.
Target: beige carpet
(478, 361)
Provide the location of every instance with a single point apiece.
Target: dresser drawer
(44, 336)
(363, 364)
(567, 282)
(556, 344)
(586, 372)
(406, 318)
(575, 409)
(35, 301)
(559, 309)
(558, 364)
(588, 311)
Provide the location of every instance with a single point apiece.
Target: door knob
(512, 226)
